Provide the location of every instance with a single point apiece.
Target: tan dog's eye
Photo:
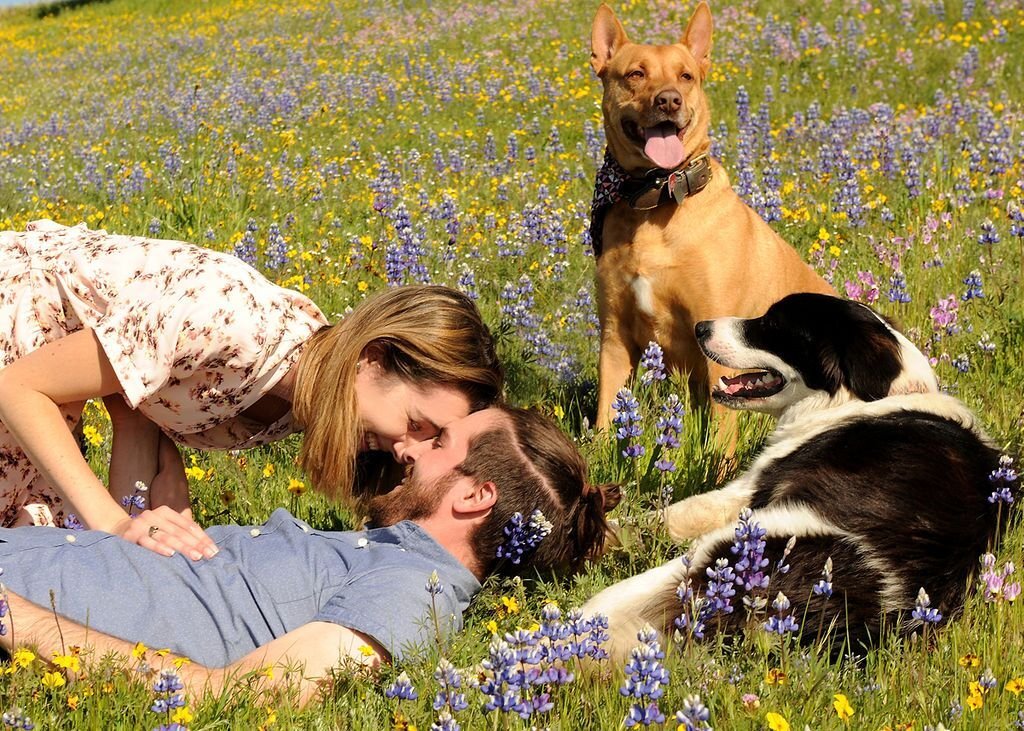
(636, 75)
(686, 76)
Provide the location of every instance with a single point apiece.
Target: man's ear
(475, 498)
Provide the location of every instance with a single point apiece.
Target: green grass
(283, 112)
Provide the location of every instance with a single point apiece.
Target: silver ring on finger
(152, 530)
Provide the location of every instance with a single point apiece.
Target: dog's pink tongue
(663, 146)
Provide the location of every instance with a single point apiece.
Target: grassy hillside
(346, 146)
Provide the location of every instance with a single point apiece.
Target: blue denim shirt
(265, 581)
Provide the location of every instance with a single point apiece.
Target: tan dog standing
(679, 246)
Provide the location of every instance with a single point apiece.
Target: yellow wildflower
(195, 473)
(92, 435)
(179, 661)
(69, 662)
(22, 658)
(296, 487)
(362, 286)
(492, 626)
(268, 672)
(509, 605)
(73, 701)
(975, 700)
(53, 680)
(776, 722)
(843, 708)
(823, 235)
(1015, 685)
(268, 470)
(970, 660)
(182, 715)
(775, 676)
(365, 650)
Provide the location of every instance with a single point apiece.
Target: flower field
(343, 147)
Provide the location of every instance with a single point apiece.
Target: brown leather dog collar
(656, 188)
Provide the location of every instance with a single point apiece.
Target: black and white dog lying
(869, 465)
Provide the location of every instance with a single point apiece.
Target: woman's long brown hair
(424, 334)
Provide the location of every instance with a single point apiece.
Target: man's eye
(414, 427)
(435, 443)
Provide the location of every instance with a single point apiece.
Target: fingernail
(196, 555)
(211, 552)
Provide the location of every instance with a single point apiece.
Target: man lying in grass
(502, 490)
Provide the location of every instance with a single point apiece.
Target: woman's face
(395, 414)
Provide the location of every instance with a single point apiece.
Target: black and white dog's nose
(703, 330)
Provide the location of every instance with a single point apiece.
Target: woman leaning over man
(190, 346)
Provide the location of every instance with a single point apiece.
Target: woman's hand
(167, 531)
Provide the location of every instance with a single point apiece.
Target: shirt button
(362, 543)
(70, 538)
(305, 528)
(254, 532)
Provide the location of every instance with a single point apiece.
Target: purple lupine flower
(961, 363)
(781, 566)
(720, 588)
(1015, 213)
(898, 288)
(974, 287)
(645, 680)
(1002, 480)
(276, 251)
(987, 680)
(653, 364)
(988, 235)
(748, 548)
(694, 716)
(449, 698)
(523, 535)
(670, 424)
(71, 522)
(627, 417)
(137, 500)
(402, 689)
(782, 623)
(434, 585)
(824, 585)
(691, 617)
(923, 611)
(15, 718)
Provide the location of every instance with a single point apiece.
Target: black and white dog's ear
(868, 357)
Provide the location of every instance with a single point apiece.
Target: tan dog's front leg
(702, 514)
(615, 364)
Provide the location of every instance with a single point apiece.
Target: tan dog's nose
(668, 101)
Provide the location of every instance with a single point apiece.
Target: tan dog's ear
(698, 37)
(607, 37)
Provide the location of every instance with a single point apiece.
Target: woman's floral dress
(194, 336)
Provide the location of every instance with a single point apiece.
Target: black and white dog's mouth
(750, 385)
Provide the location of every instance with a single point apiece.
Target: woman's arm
(72, 369)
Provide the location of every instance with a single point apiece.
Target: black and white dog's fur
(870, 465)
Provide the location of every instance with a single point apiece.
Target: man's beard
(413, 500)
